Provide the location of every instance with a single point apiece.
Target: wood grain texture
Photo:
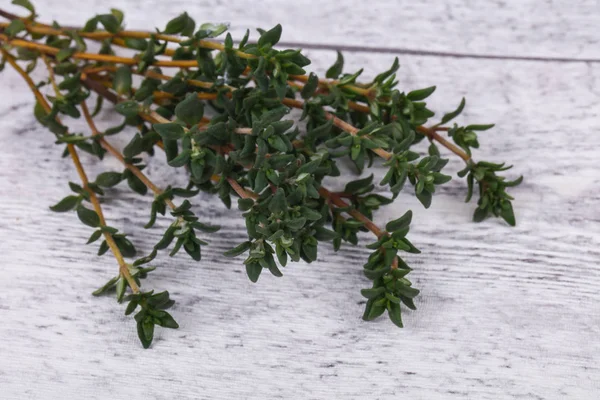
(545, 28)
(505, 313)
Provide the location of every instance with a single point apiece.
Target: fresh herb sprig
(220, 116)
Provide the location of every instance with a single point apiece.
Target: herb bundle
(218, 111)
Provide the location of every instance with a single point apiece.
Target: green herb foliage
(219, 111)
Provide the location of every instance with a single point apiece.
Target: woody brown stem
(338, 202)
(243, 193)
(433, 135)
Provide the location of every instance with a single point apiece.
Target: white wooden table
(504, 312)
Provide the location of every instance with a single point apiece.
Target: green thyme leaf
(190, 110)
(451, 115)
(109, 179)
(122, 80)
(26, 4)
(110, 22)
(14, 28)
(239, 249)
(88, 217)
(401, 223)
(169, 131)
(270, 37)
(128, 108)
(420, 94)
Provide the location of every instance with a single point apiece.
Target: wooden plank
(514, 28)
(504, 313)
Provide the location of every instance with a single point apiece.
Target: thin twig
(243, 193)
(433, 135)
(336, 200)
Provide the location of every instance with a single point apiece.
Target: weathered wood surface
(504, 312)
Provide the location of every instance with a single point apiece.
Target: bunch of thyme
(218, 111)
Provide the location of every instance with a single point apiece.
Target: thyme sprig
(220, 115)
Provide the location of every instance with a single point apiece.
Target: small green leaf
(451, 115)
(88, 217)
(136, 43)
(375, 311)
(239, 249)
(95, 236)
(310, 86)
(479, 127)
(425, 198)
(15, 27)
(308, 168)
(66, 204)
(128, 108)
(120, 287)
(516, 182)
(167, 321)
(411, 247)
(270, 37)
(127, 248)
(470, 181)
(110, 22)
(145, 330)
(205, 227)
(392, 298)
(296, 223)
(278, 202)
(408, 302)
(131, 306)
(420, 94)
(169, 131)
(118, 14)
(433, 150)
(407, 291)
(245, 204)
(480, 214)
(336, 69)
(167, 238)
(277, 143)
(91, 25)
(440, 179)
(177, 24)
(348, 79)
(325, 234)
(401, 223)
(384, 75)
(395, 314)
(181, 159)
(122, 80)
(145, 260)
(359, 186)
(107, 286)
(275, 271)
(508, 214)
(372, 293)
(136, 184)
(103, 248)
(211, 30)
(109, 179)
(25, 3)
(190, 110)
(159, 300)
(253, 270)
(64, 54)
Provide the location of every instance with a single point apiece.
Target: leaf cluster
(223, 120)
